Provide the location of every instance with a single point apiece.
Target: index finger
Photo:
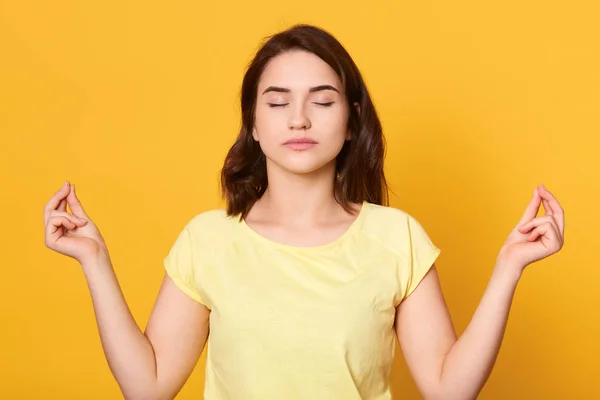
(75, 204)
(55, 200)
(557, 211)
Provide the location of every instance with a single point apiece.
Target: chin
(303, 165)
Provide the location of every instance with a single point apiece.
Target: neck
(301, 199)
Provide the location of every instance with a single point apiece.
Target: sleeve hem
(183, 287)
(422, 270)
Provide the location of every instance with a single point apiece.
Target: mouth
(300, 143)
(301, 140)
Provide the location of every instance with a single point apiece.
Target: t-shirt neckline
(347, 233)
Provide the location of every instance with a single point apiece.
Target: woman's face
(300, 97)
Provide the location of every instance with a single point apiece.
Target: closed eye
(273, 105)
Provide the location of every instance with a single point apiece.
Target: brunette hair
(359, 165)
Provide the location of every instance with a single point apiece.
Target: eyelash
(283, 105)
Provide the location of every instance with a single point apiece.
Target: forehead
(298, 70)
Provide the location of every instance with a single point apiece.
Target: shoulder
(395, 228)
(212, 226)
(214, 217)
(381, 211)
(380, 218)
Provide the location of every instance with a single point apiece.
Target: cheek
(267, 123)
(334, 126)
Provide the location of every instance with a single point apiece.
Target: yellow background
(137, 103)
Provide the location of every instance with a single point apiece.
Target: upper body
(301, 322)
(301, 282)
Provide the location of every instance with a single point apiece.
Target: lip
(302, 143)
(302, 140)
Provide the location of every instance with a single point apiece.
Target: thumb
(75, 204)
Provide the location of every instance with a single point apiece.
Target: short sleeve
(179, 265)
(423, 253)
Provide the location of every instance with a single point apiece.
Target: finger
(75, 204)
(73, 218)
(54, 224)
(547, 209)
(549, 237)
(532, 208)
(56, 199)
(540, 231)
(547, 229)
(62, 206)
(550, 213)
(554, 206)
(534, 223)
(535, 234)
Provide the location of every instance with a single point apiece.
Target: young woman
(307, 275)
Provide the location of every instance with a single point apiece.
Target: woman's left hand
(535, 238)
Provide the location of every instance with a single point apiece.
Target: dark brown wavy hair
(359, 165)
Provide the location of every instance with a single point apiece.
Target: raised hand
(73, 235)
(535, 238)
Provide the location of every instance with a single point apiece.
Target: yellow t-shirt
(292, 322)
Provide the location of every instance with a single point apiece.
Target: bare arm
(443, 366)
(447, 368)
(147, 365)
(471, 359)
(178, 328)
(154, 364)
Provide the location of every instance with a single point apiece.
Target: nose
(298, 119)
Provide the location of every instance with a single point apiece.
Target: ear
(254, 134)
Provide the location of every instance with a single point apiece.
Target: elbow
(140, 396)
(449, 396)
(456, 388)
(452, 393)
(146, 394)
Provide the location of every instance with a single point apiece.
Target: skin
(445, 367)
(150, 364)
(298, 208)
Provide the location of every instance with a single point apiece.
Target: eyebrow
(311, 90)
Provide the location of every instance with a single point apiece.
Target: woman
(307, 275)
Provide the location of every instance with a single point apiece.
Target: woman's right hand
(73, 235)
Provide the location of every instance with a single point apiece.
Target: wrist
(96, 260)
(509, 271)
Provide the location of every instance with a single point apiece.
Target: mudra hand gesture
(72, 234)
(535, 238)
